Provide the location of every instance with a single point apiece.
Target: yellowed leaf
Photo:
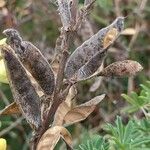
(50, 138)
(13, 108)
(128, 31)
(82, 111)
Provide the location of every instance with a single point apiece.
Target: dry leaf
(60, 114)
(50, 138)
(11, 109)
(82, 111)
(128, 31)
(121, 68)
(23, 91)
(64, 107)
(94, 101)
(92, 46)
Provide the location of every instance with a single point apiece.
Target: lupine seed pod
(121, 68)
(22, 89)
(64, 7)
(33, 60)
(91, 66)
(104, 38)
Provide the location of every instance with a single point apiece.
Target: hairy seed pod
(33, 60)
(64, 7)
(121, 68)
(104, 38)
(22, 89)
(91, 66)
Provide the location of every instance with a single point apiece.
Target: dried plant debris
(64, 7)
(82, 111)
(91, 66)
(60, 114)
(50, 138)
(23, 91)
(33, 60)
(13, 108)
(104, 38)
(64, 107)
(121, 68)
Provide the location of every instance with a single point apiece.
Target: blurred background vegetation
(38, 21)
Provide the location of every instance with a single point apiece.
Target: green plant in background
(96, 142)
(41, 17)
(134, 135)
(139, 102)
(127, 137)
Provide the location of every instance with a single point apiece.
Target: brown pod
(91, 66)
(121, 68)
(33, 60)
(22, 89)
(64, 7)
(104, 38)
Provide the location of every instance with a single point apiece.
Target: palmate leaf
(95, 142)
(143, 125)
(136, 101)
(127, 137)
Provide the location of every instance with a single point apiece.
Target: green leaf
(137, 102)
(127, 137)
(96, 142)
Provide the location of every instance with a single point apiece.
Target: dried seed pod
(104, 38)
(22, 89)
(91, 66)
(51, 137)
(121, 68)
(33, 60)
(64, 7)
